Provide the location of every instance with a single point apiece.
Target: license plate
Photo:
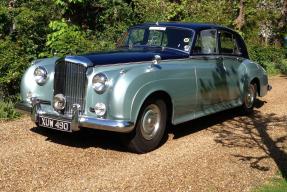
(55, 124)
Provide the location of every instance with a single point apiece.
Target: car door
(229, 49)
(210, 72)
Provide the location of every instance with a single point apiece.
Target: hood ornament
(156, 60)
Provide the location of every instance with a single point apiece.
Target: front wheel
(150, 127)
(249, 99)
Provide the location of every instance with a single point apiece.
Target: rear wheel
(150, 127)
(249, 99)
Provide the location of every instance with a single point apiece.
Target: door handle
(224, 67)
(219, 58)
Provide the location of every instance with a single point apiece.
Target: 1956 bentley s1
(160, 73)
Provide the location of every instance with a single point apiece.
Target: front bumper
(77, 120)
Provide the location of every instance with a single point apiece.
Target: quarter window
(206, 42)
(228, 44)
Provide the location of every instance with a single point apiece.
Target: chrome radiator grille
(70, 80)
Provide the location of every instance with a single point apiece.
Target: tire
(249, 99)
(150, 127)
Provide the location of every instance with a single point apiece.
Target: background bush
(7, 111)
(271, 58)
(31, 29)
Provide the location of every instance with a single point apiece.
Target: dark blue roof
(195, 26)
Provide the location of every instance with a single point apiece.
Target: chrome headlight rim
(100, 83)
(40, 75)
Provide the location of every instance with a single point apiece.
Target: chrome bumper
(77, 120)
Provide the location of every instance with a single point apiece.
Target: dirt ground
(222, 152)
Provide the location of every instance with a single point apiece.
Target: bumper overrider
(77, 120)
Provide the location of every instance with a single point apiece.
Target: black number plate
(55, 124)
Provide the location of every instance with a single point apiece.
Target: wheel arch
(256, 81)
(156, 94)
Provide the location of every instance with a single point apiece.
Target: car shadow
(193, 126)
(205, 122)
(233, 130)
(85, 138)
(257, 132)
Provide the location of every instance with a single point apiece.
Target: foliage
(23, 32)
(14, 61)
(7, 111)
(66, 39)
(271, 58)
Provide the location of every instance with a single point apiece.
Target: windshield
(164, 37)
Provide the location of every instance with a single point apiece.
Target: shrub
(69, 39)
(283, 66)
(271, 58)
(7, 111)
(13, 62)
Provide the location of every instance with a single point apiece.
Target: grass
(275, 185)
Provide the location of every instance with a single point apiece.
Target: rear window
(228, 44)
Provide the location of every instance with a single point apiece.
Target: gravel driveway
(222, 152)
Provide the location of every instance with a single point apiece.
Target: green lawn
(275, 185)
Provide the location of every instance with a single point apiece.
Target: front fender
(130, 90)
(136, 82)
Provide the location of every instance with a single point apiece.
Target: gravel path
(223, 152)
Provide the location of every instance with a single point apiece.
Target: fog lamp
(59, 102)
(100, 109)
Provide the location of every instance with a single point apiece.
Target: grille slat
(70, 80)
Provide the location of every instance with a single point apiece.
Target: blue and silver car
(160, 74)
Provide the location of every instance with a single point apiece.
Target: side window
(206, 42)
(136, 37)
(228, 44)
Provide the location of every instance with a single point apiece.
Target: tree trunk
(281, 26)
(283, 22)
(240, 20)
(11, 6)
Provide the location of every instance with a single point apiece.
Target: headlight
(100, 83)
(40, 75)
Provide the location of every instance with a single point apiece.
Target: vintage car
(160, 74)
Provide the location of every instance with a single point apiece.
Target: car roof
(195, 26)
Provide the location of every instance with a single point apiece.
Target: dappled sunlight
(264, 132)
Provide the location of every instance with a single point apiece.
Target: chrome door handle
(224, 67)
(219, 57)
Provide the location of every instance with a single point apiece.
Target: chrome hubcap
(250, 96)
(151, 121)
